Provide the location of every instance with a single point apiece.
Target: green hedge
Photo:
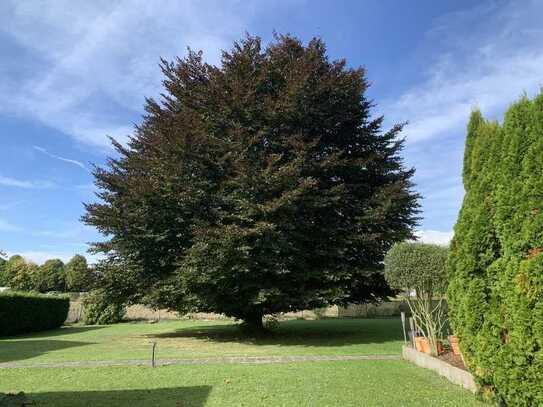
(27, 312)
(496, 257)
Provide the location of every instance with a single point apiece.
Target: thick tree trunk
(253, 322)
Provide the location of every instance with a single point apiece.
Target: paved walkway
(203, 361)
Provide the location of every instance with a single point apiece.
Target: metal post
(403, 327)
(153, 357)
(413, 333)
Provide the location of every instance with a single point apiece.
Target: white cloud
(41, 257)
(68, 231)
(18, 183)
(487, 66)
(100, 57)
(57, 157)
(435, 237)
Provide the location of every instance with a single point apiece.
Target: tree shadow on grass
(194, 396)
(12, 351)
(327, 332)
(62, 331)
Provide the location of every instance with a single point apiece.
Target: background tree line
(53, 275)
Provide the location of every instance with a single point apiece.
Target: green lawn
(367, 383)
(345, 383)
(195, 339)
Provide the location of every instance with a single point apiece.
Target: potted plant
(423, 345)
(453, 342)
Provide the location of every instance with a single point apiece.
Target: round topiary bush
(496, 261)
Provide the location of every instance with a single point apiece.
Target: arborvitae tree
(496, 261)
(79, 276)
(258, 186)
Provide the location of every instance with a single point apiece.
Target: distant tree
(51, 276)
(259, 186)
(79, 276)
(418, 270)
(25, 277)
(2, 267)
(100, 310)
(11, 268)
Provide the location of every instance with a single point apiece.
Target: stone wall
(140, 312)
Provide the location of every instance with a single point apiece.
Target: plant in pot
(453, 343)
(418, 271)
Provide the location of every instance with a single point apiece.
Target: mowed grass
(334, 383)
(201, 339)
(365, 383)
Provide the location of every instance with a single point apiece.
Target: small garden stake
(412, 333)
(153, 357)
(403, 327)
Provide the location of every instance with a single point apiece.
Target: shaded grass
(195, 396)
(194, 339)
(368, 383)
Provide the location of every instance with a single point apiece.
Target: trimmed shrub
(26, 312)
(100, 311)
(496, 259)
(418, 270)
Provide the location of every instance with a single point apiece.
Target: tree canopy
(51, 276)
(2, 267)
(420, 267)
(10, 269)
(79, 276)
(258, 186)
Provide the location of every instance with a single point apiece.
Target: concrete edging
(452, 373)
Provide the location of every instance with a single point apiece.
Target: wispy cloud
(102, 57)
(57, 157)
(487, 66)
(18, 183)
(65, 231)
(484, 56)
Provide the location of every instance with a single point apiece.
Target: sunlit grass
(195, 339)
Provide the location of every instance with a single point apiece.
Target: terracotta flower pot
(422, 345)
(453, 341)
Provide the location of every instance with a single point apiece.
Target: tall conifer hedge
(496, 259)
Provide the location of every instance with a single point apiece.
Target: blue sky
(73, 72)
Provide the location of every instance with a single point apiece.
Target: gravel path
(203, 361)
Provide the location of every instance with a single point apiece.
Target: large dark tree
(259, 186)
